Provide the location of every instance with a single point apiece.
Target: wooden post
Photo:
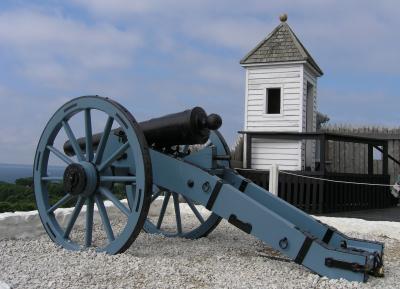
(248, 151)
(370, 159)
(274, 179)
(385, 163)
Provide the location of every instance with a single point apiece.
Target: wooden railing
(322, 196)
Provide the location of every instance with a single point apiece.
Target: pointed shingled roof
(281, 45)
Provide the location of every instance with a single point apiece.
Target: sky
(162, 56)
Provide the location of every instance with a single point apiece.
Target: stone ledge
(27, 225)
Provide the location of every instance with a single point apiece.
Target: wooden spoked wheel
(89, 180)
(186, 219)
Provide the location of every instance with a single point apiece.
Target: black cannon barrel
(191, 126)
(188, 127)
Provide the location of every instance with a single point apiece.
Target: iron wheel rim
(136, 145)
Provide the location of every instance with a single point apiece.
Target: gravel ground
(228, 258)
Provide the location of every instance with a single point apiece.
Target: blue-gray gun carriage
(153, 158)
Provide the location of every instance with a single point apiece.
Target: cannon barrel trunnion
(124, 170)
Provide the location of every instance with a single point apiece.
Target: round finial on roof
(283, 17)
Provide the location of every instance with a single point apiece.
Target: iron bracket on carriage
(153, 161)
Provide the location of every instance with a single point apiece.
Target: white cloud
(374, 107)
(60, 50)
(116, 7)
(128, 9)
(357, 35)
(241, 34)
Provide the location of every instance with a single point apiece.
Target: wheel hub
(80, 179)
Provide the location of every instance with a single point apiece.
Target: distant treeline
(21, 197)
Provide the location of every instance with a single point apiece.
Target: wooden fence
(353, 157)
(319, 196)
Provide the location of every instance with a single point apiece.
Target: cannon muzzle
(188, 127)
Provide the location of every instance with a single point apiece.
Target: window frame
(265, 100)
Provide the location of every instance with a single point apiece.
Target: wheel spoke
(73, 141)
(130, 195)
(109, 195)
(52, 179)
(155, 196)
(60, 155)
(89, 221)
(118, 179)
(61, 202)
(163, 209)
(103, 140)
(114, 156)
(88, 134)
(104, 218)
(194, 209)
(74, 216)
(177, 213)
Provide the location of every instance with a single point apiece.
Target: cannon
(153, 160)
(188, 127)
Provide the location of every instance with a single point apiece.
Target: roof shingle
(281, 45)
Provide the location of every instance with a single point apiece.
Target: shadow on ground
(387, 214)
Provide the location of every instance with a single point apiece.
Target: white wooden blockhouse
(281, 90)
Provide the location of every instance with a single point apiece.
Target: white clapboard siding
(268, 167)
(266, 152)
(273, 156)
(258, 116)
(258, 83)
(274, 144)
(291, 78)
(271, 69)
(287, 126)
(259, 101)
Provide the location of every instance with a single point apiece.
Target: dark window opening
(273, 101)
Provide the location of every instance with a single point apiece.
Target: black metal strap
(303, 250)
(328, 236)
(351, 266)
(214, 195)
(377, 269)
(246, 227)
(243, 185)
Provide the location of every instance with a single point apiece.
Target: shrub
(21, 197)
(17, 197)
(6, 207)
(26, 182)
